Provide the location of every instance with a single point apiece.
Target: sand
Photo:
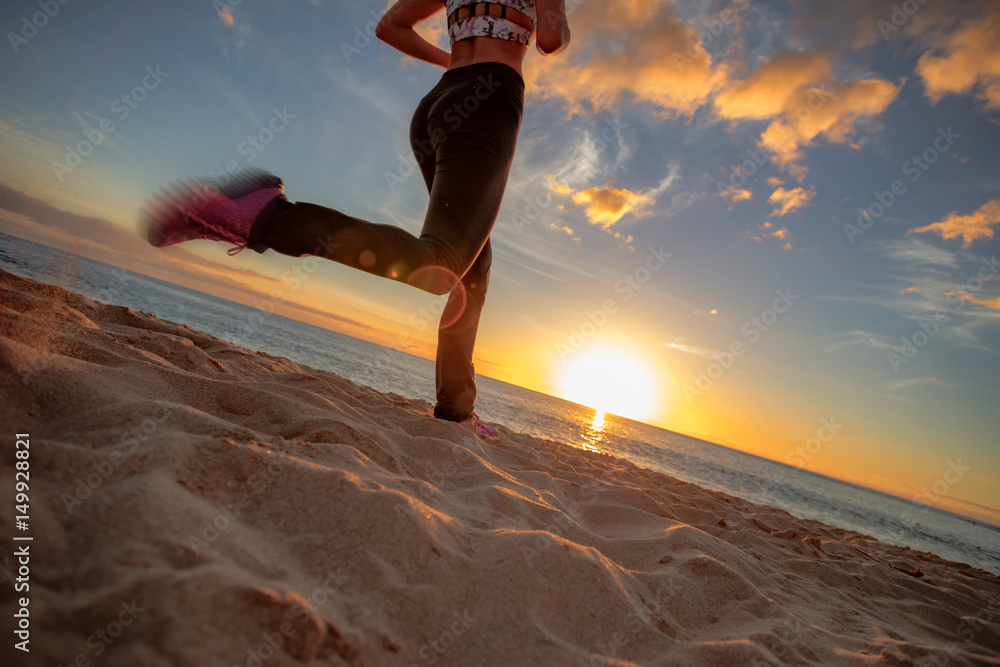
(197, 503)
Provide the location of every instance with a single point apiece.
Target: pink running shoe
(479, 427)
(196, 210)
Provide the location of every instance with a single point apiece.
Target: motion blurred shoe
(479, 427)
(194, 210)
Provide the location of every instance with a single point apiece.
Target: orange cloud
(640, 51)
(795, 89)
(566, 230)
(226, 16)
(789, 201)
(736, 194)
(605, 206)
(978, 225)
(964, 59)
(770, 89)
(767, 230)
(635, 51)
(992, 304)
(830, 112)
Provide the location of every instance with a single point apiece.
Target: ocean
(802, 493)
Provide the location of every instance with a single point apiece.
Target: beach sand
(197, 503)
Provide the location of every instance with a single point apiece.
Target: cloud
(874, 340)
(910, 383)
(831, 112)
(226, 16)
(606, 205)
(978, 225)
(735, 194)
(796, 91)
(566, 230)
(915, 252)
(691, 349)
(629, 51)
(639, 51)
(992, 304)
(924, 283)
(767, 230)
(789, 201)
(967, 58)
(769, 90)
(435, 32)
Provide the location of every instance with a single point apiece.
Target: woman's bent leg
(382, 250)
(464, 134)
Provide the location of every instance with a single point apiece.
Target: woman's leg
(455, 376)
(470, 120)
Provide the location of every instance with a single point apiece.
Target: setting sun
(611, 381)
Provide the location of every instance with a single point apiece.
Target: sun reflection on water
(594, 434)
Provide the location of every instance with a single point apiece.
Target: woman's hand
(396, 30)
(553, 27)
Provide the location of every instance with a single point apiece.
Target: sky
(775, 221)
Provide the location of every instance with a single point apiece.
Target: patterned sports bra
(485, 25)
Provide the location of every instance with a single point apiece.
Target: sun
(612, 381)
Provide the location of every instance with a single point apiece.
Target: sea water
(800, 492)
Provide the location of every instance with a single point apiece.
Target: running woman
(463, 134)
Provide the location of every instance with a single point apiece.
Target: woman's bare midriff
(487, 50)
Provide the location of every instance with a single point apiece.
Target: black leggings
(463, 134)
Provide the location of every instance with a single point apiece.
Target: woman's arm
(553, 27)
(396, 30)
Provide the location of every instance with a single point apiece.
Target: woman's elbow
(550, 45)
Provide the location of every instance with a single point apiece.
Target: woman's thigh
(473, 126)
